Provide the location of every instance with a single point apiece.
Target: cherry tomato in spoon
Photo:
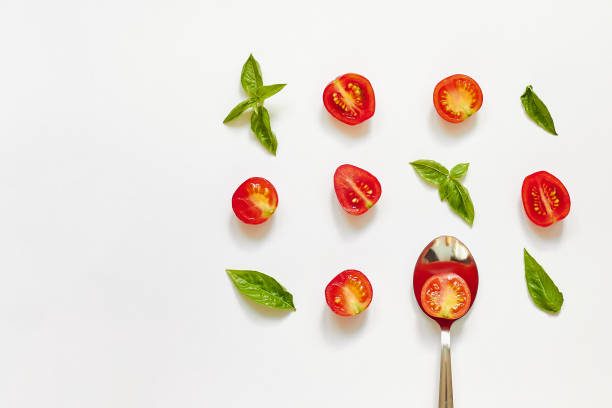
(357, 190)
(349, 293)
(446, 296)
(255, 200)
(445, 283)
(457, 97)
(350, 99)
(445, 280)
(545, 198)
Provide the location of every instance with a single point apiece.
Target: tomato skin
(350, 99)
(357, 189)
(255, 200)
(545, 198)
(349, 293)
(457, 97)
(446, 296)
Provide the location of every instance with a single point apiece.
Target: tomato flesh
(350, 99)
(457, 97)
(255, 200)
(446, 296)
(349, 293)
(545, 198)
(357, 190)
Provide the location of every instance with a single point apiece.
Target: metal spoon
(446, 257)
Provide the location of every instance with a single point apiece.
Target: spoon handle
(445, 399)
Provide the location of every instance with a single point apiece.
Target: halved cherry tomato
(350, 99)
(255, 200)
(545, 198)
(357, 190)
(457, 97)
(349, 293)
(446, 296)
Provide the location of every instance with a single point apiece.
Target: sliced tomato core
(545, 198)
(446, 296)
(459, 100)
(349, 293)
(350, 99)
(262, 199)
(357, 189)
(255, 200)
(457, 97)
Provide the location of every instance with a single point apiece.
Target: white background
(116, 176)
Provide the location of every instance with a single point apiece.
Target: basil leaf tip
(450, 188)
(459, 170)
(261, 288)
(239, 109)
(267, 91)
(251, 78)
(537, 110)
(542, 289)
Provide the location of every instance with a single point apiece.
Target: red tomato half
(545, 198)
(349, 293)
(255, 200)
(457, 97)
(357, 190)
(446, 296)
(350, 99)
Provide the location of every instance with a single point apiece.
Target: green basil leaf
(443, 189)
(267, 91)
(542, 289)
(240, 108)
(261, 288)
(449, 188)
(537, 111)
(260, 124)
(459, 201)
(251, 78)
(252, 83)
(459, 170)
(430, 171)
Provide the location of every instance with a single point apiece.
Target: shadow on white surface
(450, 131)
(339, 329)
(457, 327)
(247, 233)
(342, 129)
(428, 329)
(552, 232)
(348, 224)
(257, 310)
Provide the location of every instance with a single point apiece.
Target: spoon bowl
(445, 283)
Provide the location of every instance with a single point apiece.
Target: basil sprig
(537, 111)
(252, 82)
(261, 288)
(450, 188)
(542, 289)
